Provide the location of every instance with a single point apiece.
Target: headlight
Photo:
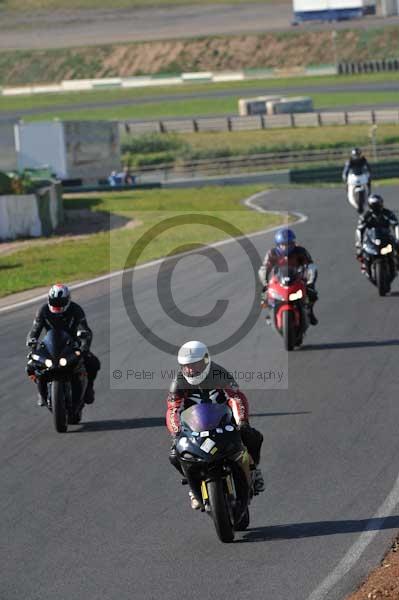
(63, 362)
(387, 249)
(77, 352)
(48, 362)
(35, 357)
(296, 295)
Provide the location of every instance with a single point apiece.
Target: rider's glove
(243, 426)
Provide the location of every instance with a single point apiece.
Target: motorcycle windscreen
(57, 343)
(378, 233)
(203, 417)
(288, 275)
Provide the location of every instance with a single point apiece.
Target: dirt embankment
(221, 53)
(382, 583)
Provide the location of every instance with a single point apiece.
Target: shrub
(5, 184)
(152, 142)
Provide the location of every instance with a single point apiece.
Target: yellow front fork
(204, 492)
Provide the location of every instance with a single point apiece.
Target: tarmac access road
(76, 27)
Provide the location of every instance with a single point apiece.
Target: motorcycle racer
(287, 252)
(357, 163)
(61, 313)
(376, 216)
(200, 380)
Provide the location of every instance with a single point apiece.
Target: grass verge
(80, 259)
(111, 96)
(158, 148)
(202, 107)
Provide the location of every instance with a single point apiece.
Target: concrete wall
(31, 215)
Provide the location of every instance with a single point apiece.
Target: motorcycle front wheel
(58, 403)
(381, 278)
(219, 510)
(288, 330)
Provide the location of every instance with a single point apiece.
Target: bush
(5, 184)
(16, 183)
(152, 142)
(156, 158)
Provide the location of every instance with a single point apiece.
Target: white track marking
(248, 202)
(357, 549)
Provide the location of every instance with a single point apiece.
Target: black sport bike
(379, 255)
(217, 466)
(58, 363)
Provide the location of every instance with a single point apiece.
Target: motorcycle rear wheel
(219, 510)
(60, 414)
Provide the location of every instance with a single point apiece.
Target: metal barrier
(368, 66)
(333, 174)
(254, 122)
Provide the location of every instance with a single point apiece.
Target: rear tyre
(219, 511)
(288, 330)
(59, 407)
(381, 278)
(360, 202)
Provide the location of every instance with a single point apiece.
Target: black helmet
(356, 153)
(375, 202)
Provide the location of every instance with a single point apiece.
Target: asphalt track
(213, 94)
(74, 27)
(99, 513)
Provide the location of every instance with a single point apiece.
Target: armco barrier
(77, 85)
(254, 122)
(368, 66)
(333, 173)
(77, 189)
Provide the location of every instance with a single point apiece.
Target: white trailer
(331, 10)
(86, 150)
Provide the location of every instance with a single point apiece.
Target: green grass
(80, 259)
(15, 103)
(207, 107)
(202, 145)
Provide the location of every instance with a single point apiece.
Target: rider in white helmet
(201, 380)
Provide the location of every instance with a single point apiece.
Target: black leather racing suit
(72, 321)
(218, 387)
(384, 219)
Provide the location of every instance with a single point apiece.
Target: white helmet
(195, 362)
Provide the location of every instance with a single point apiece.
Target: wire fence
(231, 165)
